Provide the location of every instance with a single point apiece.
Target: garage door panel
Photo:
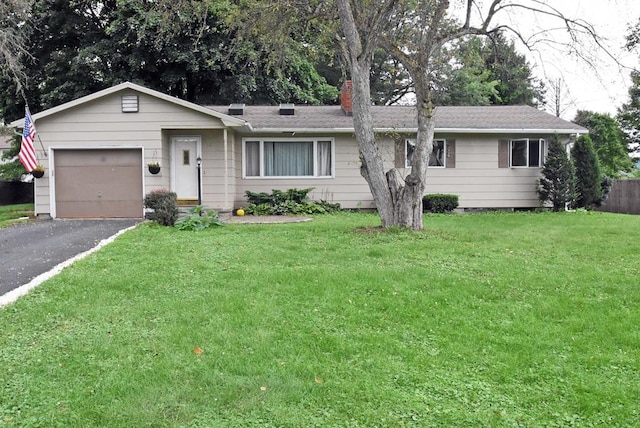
(98, 183)
(98, 157)
(107, 209)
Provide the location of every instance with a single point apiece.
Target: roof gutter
(414, 130)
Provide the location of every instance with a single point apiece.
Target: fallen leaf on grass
(318, 379)
(198, 350)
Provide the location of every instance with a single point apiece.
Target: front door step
(187, 202)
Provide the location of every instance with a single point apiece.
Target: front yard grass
(10, 213)
(501, 320)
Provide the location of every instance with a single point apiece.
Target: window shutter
(400, 160)
(503, 153)
(451, 154)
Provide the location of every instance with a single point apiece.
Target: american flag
(27, 152)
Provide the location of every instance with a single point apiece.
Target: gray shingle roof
(449, 118)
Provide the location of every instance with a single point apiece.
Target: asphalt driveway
(30, 249)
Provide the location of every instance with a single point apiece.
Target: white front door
(185, 170)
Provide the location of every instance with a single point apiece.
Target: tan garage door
(102, 183)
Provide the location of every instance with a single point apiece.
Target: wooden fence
(15, 192)
(624, 197)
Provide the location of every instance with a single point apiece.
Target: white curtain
(252, 155)
(290, 159)
(324, 158)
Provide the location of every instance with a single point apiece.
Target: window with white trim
(527, 153)
(438, 155)
(288, 157)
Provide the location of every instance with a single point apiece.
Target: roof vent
(236, 109)
(287, 109)
(129, 103)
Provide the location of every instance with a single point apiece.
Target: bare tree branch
(13, 14)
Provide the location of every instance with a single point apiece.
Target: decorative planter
(37, 173)
(154, 169)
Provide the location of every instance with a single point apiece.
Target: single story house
(96, 150)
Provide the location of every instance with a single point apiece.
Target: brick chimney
(346, 98)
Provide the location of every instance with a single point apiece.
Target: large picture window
(288, 158)
(438, 154)
(527, 153)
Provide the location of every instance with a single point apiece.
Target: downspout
(226, 169)
(568, 149)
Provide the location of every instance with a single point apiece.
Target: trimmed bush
(164, 204)
(289, 202)
(439, 203)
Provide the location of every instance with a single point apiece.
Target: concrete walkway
(29, 251)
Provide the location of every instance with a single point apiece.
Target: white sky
(602, 90)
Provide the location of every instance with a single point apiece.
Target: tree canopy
(184, 48)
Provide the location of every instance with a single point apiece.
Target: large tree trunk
(398, 200)
(372, 165)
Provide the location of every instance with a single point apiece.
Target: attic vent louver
(129, 103)
(287, 109)
(236, 109)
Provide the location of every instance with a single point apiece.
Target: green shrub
(199, 219)
(440, 203)
(164, 204)
(289, 202)
(278, 197)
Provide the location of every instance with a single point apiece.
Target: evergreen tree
(516, 84)
(629, 114)
(608, 140)
(557, 184)
(588, 176)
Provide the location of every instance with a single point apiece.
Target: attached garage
(98, 183)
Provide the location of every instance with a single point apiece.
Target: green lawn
(10, 213)
(501, 320)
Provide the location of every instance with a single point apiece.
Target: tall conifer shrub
(588, 175)
(557, 184)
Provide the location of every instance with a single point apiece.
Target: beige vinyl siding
(213, 169)
(479, 182)
(101, 123)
